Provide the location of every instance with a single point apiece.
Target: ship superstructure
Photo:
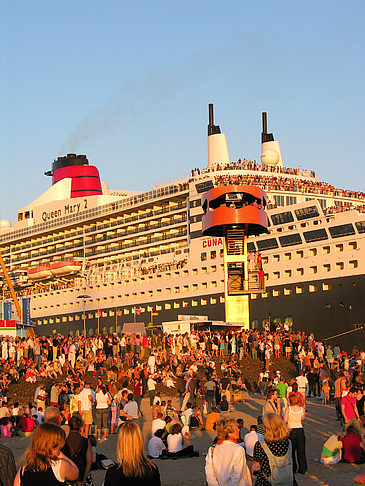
(88, 255)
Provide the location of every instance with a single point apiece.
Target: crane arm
(11, 288)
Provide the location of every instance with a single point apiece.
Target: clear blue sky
(128, 84)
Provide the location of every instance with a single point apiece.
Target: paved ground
(319, 424)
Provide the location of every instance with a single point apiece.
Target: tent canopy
(134, 328)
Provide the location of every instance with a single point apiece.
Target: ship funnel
(270, 149)
(217, 143)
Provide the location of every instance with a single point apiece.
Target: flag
(119, 312)
(100, 312)
(137, 310)
(26, 311)
(154, 313)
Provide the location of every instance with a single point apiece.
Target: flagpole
(134, 318)
(98, 323)
(116, 320)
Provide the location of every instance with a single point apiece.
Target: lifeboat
(65, 267)
(40, 273)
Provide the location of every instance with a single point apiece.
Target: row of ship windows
(312, 252)
(106, 208)
(326, 267)
(114, 313)
(98, 227)
(134, 295)
(298, 289)
(309, 236)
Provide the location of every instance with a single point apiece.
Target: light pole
(84, 297)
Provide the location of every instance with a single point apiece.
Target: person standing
(340, 386)
(103, 402)
(349, 410)
(151, 386)
(226, 461)
(294, 415)
(276, 446)
(85, 401)
(272, 404)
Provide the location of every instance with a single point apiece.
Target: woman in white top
(46, 465)
(175, 442)
(103, 402)
(294, 415)
(226, 462)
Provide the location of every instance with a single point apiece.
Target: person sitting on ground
(131, 407)
(156, 447)
(250, 440)
(226, 461)
(46, 464)
(331, 451)
(224, 405)
(26, 425)
(186, 414)
(134, 467)
(353, 446)
(196, 420)
(260, 426)
(78, 449)
(175, 442)
(240, 425)
(5, 428)
(99, 460)
(157, 423)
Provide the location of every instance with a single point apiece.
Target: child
(224, 406)
(5, 428)
(326, 393)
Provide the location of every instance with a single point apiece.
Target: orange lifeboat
(40, 273)
(65, 267)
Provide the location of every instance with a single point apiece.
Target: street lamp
(84, 297)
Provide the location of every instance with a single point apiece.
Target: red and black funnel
(85, 177)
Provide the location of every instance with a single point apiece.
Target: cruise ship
(91, 258)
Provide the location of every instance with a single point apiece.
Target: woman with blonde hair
(226, 461)
(272, 457)
(46, 465)
(294, 415)
(133, 468)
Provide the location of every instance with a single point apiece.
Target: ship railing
(165, 182)
(105, 209)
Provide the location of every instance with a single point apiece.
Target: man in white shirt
(250, 440)
(131, 407)
(85, 401)
(151, 363)
(156, 447)
(157, 423)
(151, 385)
(302, 383)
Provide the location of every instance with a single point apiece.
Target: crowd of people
(253, 165)
(92, 387)
(281, 183)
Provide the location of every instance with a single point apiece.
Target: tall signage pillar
(234, 213)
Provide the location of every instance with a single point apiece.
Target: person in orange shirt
(212, 419)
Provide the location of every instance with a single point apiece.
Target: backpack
(281, 467)
(78, 456)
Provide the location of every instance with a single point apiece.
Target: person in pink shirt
(349, 409)
(5, 428)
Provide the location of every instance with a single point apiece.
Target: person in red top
(349, 409)
(353, 447)
(26, 425)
